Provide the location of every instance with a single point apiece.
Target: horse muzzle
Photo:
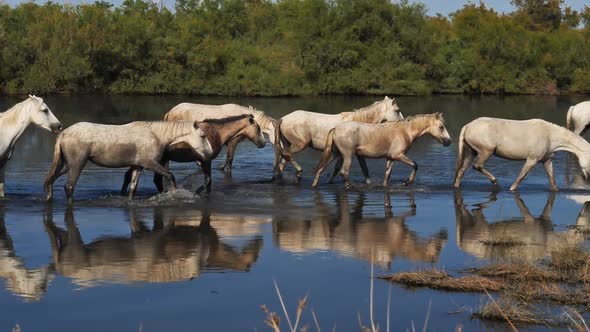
(261, 144)
(56, 127)
(446, 141)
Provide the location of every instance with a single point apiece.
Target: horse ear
(393, 101)
(31, 96)
(438, 115)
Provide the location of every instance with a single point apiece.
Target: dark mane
(228, 119)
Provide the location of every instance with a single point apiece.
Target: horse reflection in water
(525, 238)
(375, 239)
(30, 284)
(173, 250)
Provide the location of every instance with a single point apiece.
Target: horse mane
(9, 116)
(227, 119)
(170, 129)
(262, 119)
(367, 114)
(418, 121)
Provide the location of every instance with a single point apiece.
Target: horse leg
(388, 167)
(467, 159)
(337, 168)
(155, 167)
(136, 173)
(288, 153)
(364, 168)
(206, 165)
(404, 159)
(59, 171)
(126, 181)
(345, 172)
(549, 170)
(231, 149)
(2, 195)
(158, 179)
(321, 167)
(73, 176)
(528, 166)
(482, 157)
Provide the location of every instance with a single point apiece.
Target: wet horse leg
(482, 157)
(155, 167)
(158, 179)
(231, 150)
(337, 168)
(126, 181)
(206, 165)
(364, 168)
(388, 167)
(136, 173)
(345, 172)
(76, 168)
(528, 166)
(549, 170)
(404, 159)
(467, 159)
(287, 156)
(59, 171)
(2, 163)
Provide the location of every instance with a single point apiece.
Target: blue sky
(434, 6)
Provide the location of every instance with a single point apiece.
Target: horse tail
(461, 151)
(57, 156)
(568, 119)
(327, 153)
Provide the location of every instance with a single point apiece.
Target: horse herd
(197, 133)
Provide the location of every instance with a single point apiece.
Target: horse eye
(441, 127)
(45, 110)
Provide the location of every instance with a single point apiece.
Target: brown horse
(137, 145)
(201, 112)
(218, 133)
(389, 140)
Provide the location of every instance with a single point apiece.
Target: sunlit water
(188, 263)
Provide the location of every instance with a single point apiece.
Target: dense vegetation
(293, 47)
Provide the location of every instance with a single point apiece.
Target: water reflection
(173, 249)
(350, 232)
(525, 237)
(30, 284)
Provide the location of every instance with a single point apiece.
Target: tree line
(293, 47)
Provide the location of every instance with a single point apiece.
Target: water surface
(185, 263)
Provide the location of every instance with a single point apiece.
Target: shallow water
(185, 263)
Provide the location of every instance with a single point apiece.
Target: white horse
(301, 129)
(14, 122)
(578, 117)
(534, 141)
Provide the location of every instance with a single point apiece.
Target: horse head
(41, 115)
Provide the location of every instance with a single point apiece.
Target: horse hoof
(406, 183)
(367, 181)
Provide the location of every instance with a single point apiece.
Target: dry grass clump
(550, 292)
(437, 279)
(517, 272)
(514, 312)
(572, 262)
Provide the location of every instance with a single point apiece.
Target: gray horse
(139, 145)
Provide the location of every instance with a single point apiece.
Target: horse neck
(572, 143)
(168, 131)
(14, 122)
(264, 121)
(228, 130)
(415, 126)
(369, 114)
